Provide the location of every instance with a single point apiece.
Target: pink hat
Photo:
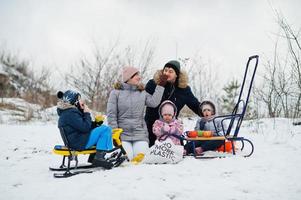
(168, 109)
(128, 72)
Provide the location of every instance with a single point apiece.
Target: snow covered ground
(272, 172)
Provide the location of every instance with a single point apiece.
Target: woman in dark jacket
(75, 120)
(176, 90)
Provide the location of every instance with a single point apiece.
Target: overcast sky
(58, 32)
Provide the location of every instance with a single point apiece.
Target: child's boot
(198, 151)
(138, 158)
(100, 161)
(91, 158)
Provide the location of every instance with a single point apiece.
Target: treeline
(277, 92)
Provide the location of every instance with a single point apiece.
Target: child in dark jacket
(75, 120)
(168, 124)
(207, 113)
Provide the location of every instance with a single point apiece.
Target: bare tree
(281, 88)
(92, 78)
(141, 58)
(202, 79)
(294, 50)
(95, 77)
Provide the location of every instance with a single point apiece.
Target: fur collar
(64, 105)
(183, 78)
(119, 86)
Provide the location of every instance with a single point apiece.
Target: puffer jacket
(161, 127)
(208, 125)
(125, 109)
(179, 94)
(77, 125)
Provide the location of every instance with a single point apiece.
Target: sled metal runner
(235, 118)
(117, 157)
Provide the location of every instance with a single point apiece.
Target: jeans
(132, 148)
(101, 137)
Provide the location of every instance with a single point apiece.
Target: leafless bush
(12, 74)
(7, 106)
(38, 90)
(17, 80)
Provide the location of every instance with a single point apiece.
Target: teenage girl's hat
(128, 73)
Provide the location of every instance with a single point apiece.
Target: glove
(166, 128)
(162, 80)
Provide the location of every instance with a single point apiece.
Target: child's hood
(168, 102)
(211, 104)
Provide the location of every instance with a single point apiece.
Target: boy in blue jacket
(75, 120)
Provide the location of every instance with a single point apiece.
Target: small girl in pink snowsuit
(168, 124)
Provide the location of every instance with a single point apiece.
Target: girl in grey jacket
(125, 110)
(207, 113)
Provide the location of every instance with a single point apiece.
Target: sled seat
(206, 138)
(227, 147)
(64, 151)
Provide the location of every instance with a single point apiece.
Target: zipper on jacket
(131, 103)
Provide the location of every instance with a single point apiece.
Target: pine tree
(229, 99)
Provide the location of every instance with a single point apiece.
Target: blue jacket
(77, 125)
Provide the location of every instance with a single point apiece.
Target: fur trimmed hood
(183, 78)
(64, 105)
(119, 86)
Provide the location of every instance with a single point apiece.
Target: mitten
(166, 128)
(162, 80)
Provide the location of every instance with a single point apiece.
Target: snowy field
(272, 172)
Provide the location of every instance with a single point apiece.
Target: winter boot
(100, 161)
(91, 158)
(185, 152)
(138, 158)
(198, 151)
